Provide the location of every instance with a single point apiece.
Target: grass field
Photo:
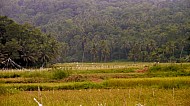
(107, 97)
(98, 84)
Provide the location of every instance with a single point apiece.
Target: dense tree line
(108, 30)
(25, 45)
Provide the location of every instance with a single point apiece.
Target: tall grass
(50, 74)
(59, 74)
(51, 86)
(167, 83)
(173, 68)
(168, 70)
(5, 90)
(108, 97)
(171, 82)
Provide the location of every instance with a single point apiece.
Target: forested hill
(107, 30)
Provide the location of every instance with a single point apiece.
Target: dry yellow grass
(93, 97)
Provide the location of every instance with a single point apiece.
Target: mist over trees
(105, 30)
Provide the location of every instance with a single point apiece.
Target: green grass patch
(51, 86)
(168, 71)
(167, 83)
(170, 82)
(48, 74)
(10, 74)
(59, 74)
(173, 68)
(6, 90)
(122, 70)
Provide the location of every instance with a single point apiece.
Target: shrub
(155, 68)
(59, 74)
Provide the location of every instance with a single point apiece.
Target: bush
(59, 74)
(155, 68)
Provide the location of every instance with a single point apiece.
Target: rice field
(97, 84)
(100, 97)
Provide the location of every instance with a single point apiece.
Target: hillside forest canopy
(95, 30)
(24, 45)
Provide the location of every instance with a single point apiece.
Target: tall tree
(25, 44)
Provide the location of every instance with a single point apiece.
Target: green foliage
(81, 85)
(168, 71)
(9, 75)
(101, 30)
(172, 68)
(25, 45)
(55, 86)
(157, 82)
(36, 74)
(167, 83)
(155, 68)
(59, 74)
